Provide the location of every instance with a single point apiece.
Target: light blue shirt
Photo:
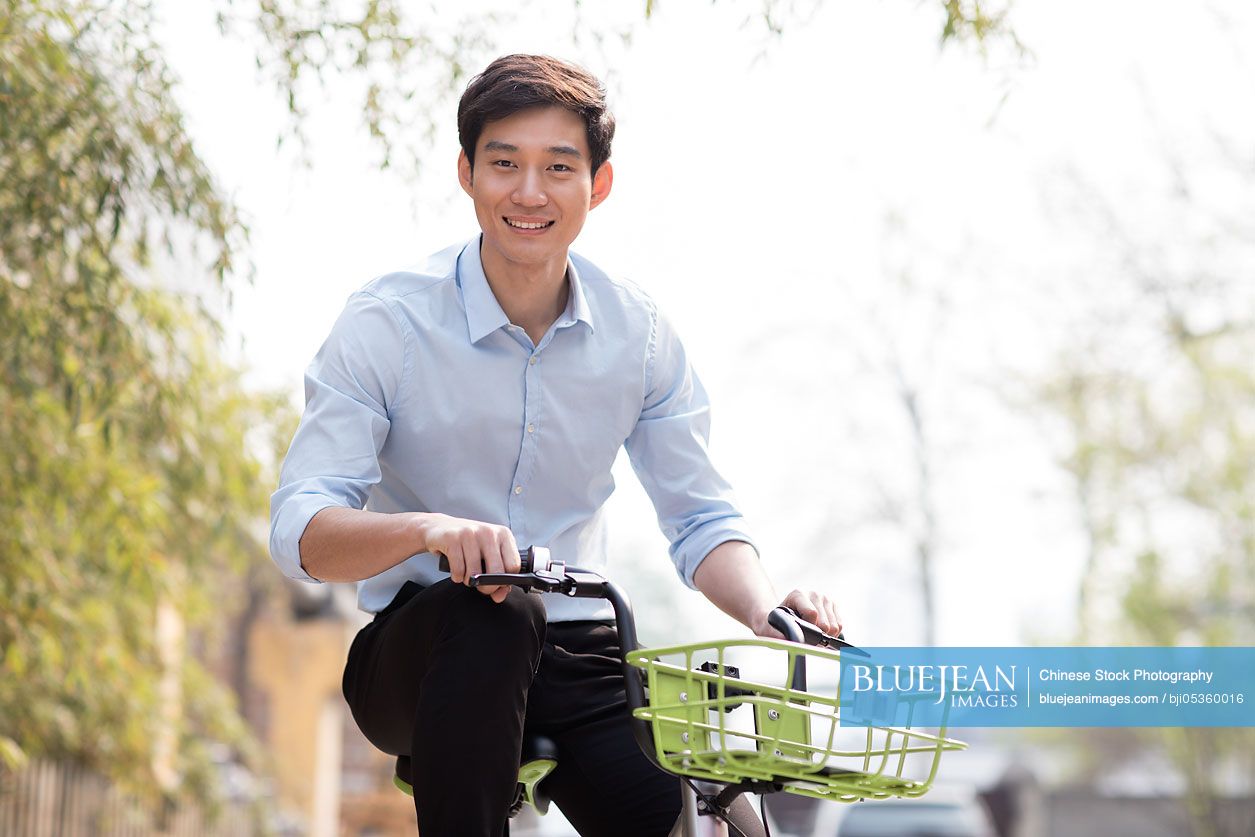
(426, 398)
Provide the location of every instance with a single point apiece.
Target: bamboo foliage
(135, 463)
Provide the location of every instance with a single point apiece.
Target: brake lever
(814, 635)
(542, 581)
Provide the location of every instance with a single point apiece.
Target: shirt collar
(577, 309)
(484, 314)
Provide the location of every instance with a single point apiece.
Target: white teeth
(526, 226)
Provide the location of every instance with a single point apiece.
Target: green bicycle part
(789, 726)
(673, 690)
(530, 776)
(794, 741)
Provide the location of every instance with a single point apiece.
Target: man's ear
(465, 176)
(602, 181)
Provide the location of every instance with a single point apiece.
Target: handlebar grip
(786, 623)
(797, 629)
(527, 560)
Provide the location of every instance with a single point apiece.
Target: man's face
(531, 186)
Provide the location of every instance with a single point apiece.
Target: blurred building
(290, 643)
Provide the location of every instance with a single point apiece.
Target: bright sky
(772, 206)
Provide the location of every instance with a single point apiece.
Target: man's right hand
(473, 546)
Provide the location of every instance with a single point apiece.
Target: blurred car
(941, 813)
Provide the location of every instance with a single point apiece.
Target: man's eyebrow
(564, 150)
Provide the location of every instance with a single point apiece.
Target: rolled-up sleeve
(668, 450)
(334, 457)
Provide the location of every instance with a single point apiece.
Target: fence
(47, 799)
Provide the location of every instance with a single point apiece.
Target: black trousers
(451, 679)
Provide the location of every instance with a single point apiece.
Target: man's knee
(517, 622)
(520, 613)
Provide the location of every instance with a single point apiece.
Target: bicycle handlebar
(539, 572)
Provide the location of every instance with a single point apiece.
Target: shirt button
(531, 361)
(518, 489)
(531, 428)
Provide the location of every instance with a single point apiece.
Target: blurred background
(971, 286)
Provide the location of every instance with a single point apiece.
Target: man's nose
(530, 191)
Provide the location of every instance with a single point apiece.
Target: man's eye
(502, 163)
(562, 167)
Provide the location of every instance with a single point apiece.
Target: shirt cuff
(288, 527)
(688, 556)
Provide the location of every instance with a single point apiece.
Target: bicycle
(679, 709)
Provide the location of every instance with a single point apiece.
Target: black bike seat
(538, 747)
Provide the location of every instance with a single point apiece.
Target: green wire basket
(796, 738)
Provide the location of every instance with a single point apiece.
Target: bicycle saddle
(538, 757)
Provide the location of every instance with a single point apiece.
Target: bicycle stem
(784, 622)
(632, 684)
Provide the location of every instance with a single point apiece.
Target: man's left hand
(811, 606)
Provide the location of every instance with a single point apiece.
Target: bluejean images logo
(1050, 687)
(963, 686)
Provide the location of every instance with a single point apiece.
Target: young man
(476, 405)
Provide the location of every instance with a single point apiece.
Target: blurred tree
(901, 338)
(1156, 400)
(962, 20)
(135, 463)
(408, 65)
(906, 344)
(1164, 464)
(1156, 403)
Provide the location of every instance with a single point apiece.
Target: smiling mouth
(528, 225)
